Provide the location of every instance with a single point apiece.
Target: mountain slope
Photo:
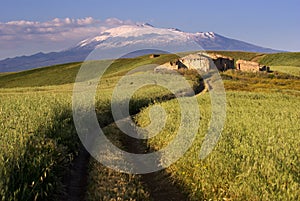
(119, 41)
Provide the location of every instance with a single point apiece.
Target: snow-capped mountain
(119, 41)
(146, 35)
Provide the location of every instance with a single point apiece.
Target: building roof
(247, 62)
(207, 55)
(195, 56)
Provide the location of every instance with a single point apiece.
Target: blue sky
(274, 24)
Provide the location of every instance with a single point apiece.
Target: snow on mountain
(129, 35)
(113, 42)
(145, 33)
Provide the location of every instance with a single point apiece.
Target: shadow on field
(160, 185)
(37, 172)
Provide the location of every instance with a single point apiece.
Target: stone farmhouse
(222, 63)
(199, 61)
(154, 56)
(251, 66)
(204, 62)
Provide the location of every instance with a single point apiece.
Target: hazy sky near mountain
(29, 26)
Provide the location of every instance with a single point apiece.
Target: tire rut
(77, 178)
(159, 184)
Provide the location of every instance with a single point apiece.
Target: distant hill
(41, 59)
(126, 36)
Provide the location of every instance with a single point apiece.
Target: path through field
(76, 180)
(159, 184)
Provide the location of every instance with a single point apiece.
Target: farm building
(222, 63)
(200, 61)
(195, 61)
(252, 66)
(154, 56)
(244, 65)
(265, 68)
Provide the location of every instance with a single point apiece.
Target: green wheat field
(256, 158)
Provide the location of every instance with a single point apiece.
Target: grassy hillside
(292, 70)
(66, 73)
(258, 82)
(281, 59)
(52, 75)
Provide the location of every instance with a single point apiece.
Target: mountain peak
(145, 25)
(175, 29)
(205, 34)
